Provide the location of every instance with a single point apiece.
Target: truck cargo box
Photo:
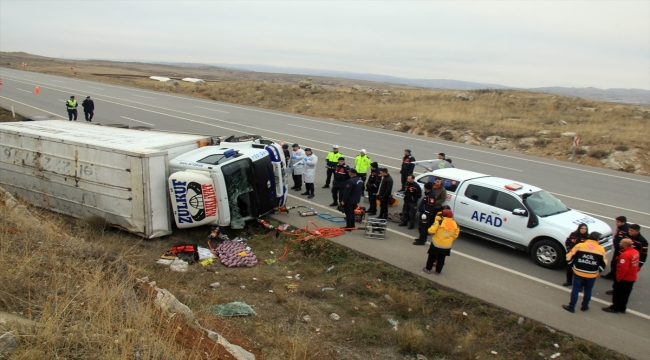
(82, 170)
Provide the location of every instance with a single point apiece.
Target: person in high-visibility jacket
(332, 160)
(444, 230)
(587, 259)
(362, 164)
(71, 105)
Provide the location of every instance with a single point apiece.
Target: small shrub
(598, 154)
(447, 135)
(622, 148)
(581, 151)
(541, 143)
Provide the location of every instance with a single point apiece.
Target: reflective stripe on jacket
(71, 104)
(444, 232)
(362, 164)
(588, 259)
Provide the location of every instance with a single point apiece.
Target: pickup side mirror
(520, 212)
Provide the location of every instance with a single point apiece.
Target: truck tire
(548, 253)
(121, 126)
(143, 128)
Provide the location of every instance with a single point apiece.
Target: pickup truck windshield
(544, 204)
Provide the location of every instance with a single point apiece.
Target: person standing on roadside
(384, 193)
(587, 259)
(580, 235)
(89, 108)
(439, 194)
(444, 230)
(628, 266)
(621, 233)
(310, 162)
(341, 175)
(372, 186)
(332, 160)
(362, 164)
(297, 166)
(71, 105)
(351, 197)
(427, 214)
(412, 194)
(442, 156)
(287, 154)
(640, 244)
(408, 165)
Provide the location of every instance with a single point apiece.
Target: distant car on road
(514, 214)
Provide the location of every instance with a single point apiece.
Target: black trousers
(72, 114)
(408, 213)
(372, 200)
(404, 176)
(349, 215)
(337, 194)
(330, 171)
(297, 181)
(310, 188)
(438, 256)
(424, 226)
(363, 177)
(569, 274)
(89, 115)
(383, 208)
(622, 291)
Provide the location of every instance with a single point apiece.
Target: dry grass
(6, 116)
(81, 295)
(510, 114)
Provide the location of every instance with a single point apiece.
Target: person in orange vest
(627, 272)
(587, 259)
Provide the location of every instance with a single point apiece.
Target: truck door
(504, 224)
(472, 207)
(264, 178)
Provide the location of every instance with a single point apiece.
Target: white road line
(33, 107)
(514, 272)
(200, 107)
(29, 92)
(59, 81)
(606, 217)
(146, 97)
(312, 129)
(124, 117)
(96, 88)
(594, 202)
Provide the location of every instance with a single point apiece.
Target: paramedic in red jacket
(627, 269)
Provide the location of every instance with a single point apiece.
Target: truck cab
(514, 214)
(228, 183)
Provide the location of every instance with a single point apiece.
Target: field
(612, 135)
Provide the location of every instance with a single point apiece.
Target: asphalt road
(601, 193)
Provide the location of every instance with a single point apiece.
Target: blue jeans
(578, 283)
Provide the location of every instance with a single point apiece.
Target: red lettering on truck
(209, 200)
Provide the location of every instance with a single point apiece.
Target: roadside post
(576, 142)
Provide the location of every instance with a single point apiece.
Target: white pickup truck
(514, 214)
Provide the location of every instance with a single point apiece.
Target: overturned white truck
(139, 180)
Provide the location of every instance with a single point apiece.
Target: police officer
(341, 175)
(332, 160)
(407, 165)
(362, 164)
(351, 198)
(372, 186)
(71, 105)
(427, 214)
(412, 193)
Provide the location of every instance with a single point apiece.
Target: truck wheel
(121, 126)
(548, 253)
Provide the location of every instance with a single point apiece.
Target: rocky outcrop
(623, 160)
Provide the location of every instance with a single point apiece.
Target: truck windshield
(544, 204)
(239, 185)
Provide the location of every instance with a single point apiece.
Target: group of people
(587, 259)
(88, 105)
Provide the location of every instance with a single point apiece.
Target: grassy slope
(517, 117)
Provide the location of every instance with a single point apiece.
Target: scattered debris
(206, 262)
(291, 287)
(464, 313)
(166, 262)
(372, 304)
(556, 346)
(289, 277)
(306, 318)
(215, 285)
(390, 299)
(330, 268)
(368, 286)
(556, 355)
(235, 308)
(297, 277)
(520, 321)
(421, 357)
(340, 295)
(179, 265)
(327, 289)
(243, 287)
(235, 253)
(204, 253)
(254, 279)
(493, 352)
(335, 316)
(271, 291)
(551, 330)
(317, 330)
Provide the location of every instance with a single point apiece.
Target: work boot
(334, 204)
(305, 193)
(326, 186)
(311, 196)
(402, 224)
(609, 292)
(609, 276)
(419, 242)
(411, 227)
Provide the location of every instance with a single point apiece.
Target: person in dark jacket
(372, 186)
(580, 235)
(384, 193)
(89, 108)
(439, 193)
(341, 175)
(427, 214)
(351, 197)
(408, 165)
(622, 228)
(412, 193)
(287, 153)
(639, 243)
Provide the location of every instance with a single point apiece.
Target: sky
(604, 44)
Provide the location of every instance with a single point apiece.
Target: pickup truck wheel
(547, 253)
